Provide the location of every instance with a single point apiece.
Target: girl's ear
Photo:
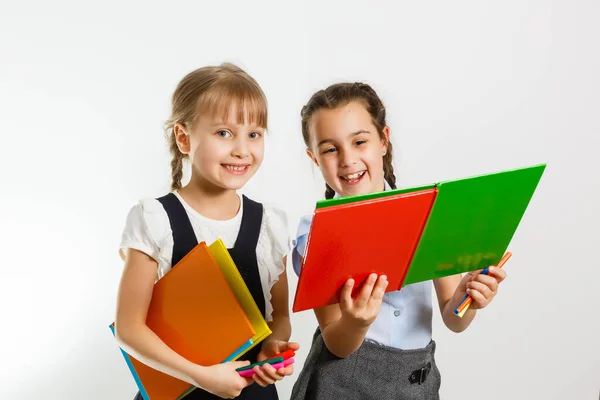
(385, 141)
(182, 138)
(312, 157)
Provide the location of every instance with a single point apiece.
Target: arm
(449, 295)
(341, 336)
(281, 329)
(280, 324)
(134, 336)
(345, 325)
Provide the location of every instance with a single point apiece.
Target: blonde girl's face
(345, 145)
(224, 153)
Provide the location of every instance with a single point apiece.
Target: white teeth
(235, 168)
(353, 177)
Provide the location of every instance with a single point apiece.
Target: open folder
(412, 235)
(203, 310)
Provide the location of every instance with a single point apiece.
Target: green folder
(471, 223)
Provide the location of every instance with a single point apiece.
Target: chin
(234, 183)
(352, 190)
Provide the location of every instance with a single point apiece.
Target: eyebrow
(224, 124)
(351, 135)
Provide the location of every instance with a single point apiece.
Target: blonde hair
(215, 91)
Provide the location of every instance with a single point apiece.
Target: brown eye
(223, 133)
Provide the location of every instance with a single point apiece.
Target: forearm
(343, 338)
(143, 344)
(281, 328)
(453, 321)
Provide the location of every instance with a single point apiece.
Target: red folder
(390, 227)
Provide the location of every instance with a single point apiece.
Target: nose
(347, 158)
(240, 148)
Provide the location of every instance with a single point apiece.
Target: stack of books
(203, 310)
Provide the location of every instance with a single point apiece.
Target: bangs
(236, 96)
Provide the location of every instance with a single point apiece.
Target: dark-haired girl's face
(345, 145)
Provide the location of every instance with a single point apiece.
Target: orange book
(196, 313)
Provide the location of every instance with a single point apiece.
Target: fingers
(286, 371)
(478, 298)
(346, 295)
(498, 273)
(266, 375)
(272, 372)
(489, 281)
(239, 364)
(260, 377)
(292, 346)
(481, 288)
(276, 347)
(472, 274)
(365, 293)
(379, 290)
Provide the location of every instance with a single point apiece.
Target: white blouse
(148, 230)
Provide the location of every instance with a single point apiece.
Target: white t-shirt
(148, 230)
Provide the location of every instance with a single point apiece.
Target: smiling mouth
(354, 178)
(236, 169)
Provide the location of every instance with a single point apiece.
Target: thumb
(261, 356)
(293, 345)
(240, 364)
(346, 295)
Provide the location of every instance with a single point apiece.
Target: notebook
(197, 314)
(353, 240)
(412, 235)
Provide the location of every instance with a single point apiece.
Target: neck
(209, 200)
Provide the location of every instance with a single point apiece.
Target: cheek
(258, 151)
(374, 161)
(328, 166)
(208, 151)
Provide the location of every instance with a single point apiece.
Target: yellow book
(241, 292)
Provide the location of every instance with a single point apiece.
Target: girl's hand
(363, 310)
(266, 374)
(482, 288)
(222, 379)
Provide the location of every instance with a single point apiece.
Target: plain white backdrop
(470, 86)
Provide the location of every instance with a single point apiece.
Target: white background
(470, 86)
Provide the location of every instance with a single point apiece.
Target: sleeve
(300, 242)
(144, 228)
(276, 226)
